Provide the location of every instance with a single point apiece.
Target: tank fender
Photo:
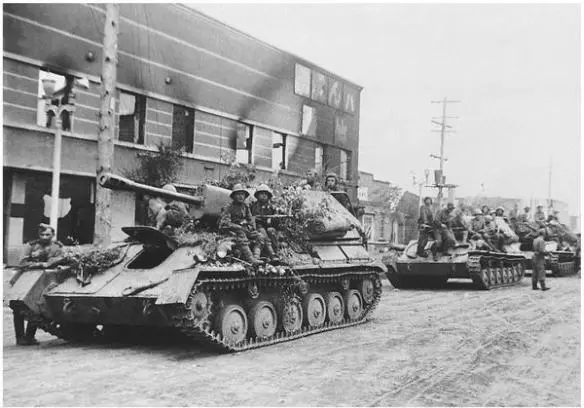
(379, 265)
(32, 285)
(178, 286)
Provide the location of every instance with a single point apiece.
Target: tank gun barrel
(115, 182)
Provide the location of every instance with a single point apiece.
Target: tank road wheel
(232, 324)
(335, 307)
(499, 273)
(505, 275)
(486, 277)
(314, 310)
(520, 270)
(200, 307)
(515, 273)
(492, 276)
(263, 320)
(292, 315)
(368, 290)
(354, 303)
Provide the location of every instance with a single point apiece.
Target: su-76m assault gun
(215, 300)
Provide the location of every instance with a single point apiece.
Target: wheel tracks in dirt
(471, 358)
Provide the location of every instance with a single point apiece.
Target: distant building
(390, 215)
(184, 79)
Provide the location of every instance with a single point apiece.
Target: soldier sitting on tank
(491, 234)
(480, 243)
(42, 253)
(524, 216)
(539, 216)
(444, 238)
(262, 209)
(331, 182)
(236, 219)
(426, 228)
(460, 227)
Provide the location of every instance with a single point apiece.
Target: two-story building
(184, 79)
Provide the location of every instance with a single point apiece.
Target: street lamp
(57, 108)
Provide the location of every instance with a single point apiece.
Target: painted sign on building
(335, 96)
(319, 87)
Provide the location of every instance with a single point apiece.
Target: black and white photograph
(292, 204)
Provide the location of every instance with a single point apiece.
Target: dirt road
(510, 346)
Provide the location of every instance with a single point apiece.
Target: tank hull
(487, 269)
(557, 264)
(223, 304)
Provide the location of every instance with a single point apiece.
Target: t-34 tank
(218, 300)
(487, 269)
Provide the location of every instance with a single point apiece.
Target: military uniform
(539, 218)
(265, 226)
(445, 237)
(425, 226)
(237, 219)
(35, 253)
(538, 272)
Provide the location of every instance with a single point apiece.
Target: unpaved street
(510, 346)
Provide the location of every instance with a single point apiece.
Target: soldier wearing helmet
(236, 219)
(539, 253)
(539, 216)
(445, 237)
(262, 209)
(477, 224)
(331, 182)
(426, 227)
(524, 216)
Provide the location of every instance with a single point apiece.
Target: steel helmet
(169, 187)
(239, 188)
(265, 189)
(477, 212)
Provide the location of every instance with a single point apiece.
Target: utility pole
(550, 203)
(444, 128)
(105, 138)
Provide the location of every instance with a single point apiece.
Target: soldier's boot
(543, 286)
(534, 285)
(271, 252)
(248, 256)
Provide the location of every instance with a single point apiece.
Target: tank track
(202, 333)
(495, 271)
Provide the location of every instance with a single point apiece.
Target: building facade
(389, 213)
(183, 79)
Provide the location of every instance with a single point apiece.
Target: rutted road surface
(454, 347)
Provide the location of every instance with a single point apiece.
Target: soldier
(485, 210)
(174, 214)
(491, 234)
(459, 225)
(41, 253)
(425, 225)
(261, 210)
(477, 224)
(538, 272)
(524, 217)
(553, 216)
(331, 182)
(480, 243)
(539, 216)
(236, 219)
(445, 237)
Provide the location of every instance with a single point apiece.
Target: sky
(514, 68)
